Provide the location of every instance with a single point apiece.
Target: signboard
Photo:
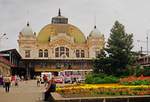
(1, 54)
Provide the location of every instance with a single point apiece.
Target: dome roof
(54, 29)
(27, 31)
(95, 33)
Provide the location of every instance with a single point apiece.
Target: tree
(119, 48)
(101, 64)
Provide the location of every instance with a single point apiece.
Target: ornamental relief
(61, 42)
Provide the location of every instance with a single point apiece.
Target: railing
(58, 98)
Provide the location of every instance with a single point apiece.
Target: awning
(47, 70)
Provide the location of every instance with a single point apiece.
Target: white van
(48, 74)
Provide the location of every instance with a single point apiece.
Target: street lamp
(147, 50)
(147, 40)
(3, 36)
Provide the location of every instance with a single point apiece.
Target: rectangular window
(45, 53)
(77, 53)
(82, 53)
(57, 54)
(27, 53)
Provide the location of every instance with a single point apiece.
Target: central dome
(60, 25)
(51, 30)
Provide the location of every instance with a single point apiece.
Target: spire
(28, 23)
(95, 22)
(59, 12)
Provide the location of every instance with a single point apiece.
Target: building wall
(61, 40)
(4, 69)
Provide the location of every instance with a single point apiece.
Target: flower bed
(89, 90)
(133, 80)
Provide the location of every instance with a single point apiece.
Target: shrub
(146, 71)
(100, 79)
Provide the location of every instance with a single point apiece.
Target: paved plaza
(26, 92)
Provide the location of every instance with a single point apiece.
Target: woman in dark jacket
(50, 88)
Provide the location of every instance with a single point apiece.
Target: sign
(1, 54)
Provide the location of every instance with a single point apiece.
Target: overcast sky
(133, 14)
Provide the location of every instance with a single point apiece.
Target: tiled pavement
(27, 91)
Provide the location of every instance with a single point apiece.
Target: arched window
(40, 53)
(61, 51)
(82, 53)
(45, 53)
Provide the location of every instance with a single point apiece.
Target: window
(40, 53)
(27, 53)
(77, 53)
(82, 53)
(61, 51)
(57, 52)
(67, 52)
(45, 53)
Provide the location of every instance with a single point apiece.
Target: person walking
(45, 78)
(7, 82)
(17, 80)
(51, 87)
(38, 78)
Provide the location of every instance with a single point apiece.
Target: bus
(71, 76)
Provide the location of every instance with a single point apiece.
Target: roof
(27, 30)
(96, 33)
(12, 51)
(5, 61)
(51, 30)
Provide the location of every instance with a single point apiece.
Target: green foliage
(128, 72)
(119, 49)
(138, 70)
(101, 64)
(100, 79)
(146, 71)
(119, 53)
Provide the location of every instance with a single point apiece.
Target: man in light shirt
(7, 81)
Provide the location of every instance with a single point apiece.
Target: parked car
(58, 79)
(80, 80)
(67, 80)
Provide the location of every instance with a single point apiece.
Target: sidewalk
(26, 92)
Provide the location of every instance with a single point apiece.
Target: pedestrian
(22, 78)
(7, 81)
(38, 78)
(17, 80)
(51, 87)
(45, 80)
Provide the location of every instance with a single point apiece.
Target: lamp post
(147, 41)
(3, 36)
